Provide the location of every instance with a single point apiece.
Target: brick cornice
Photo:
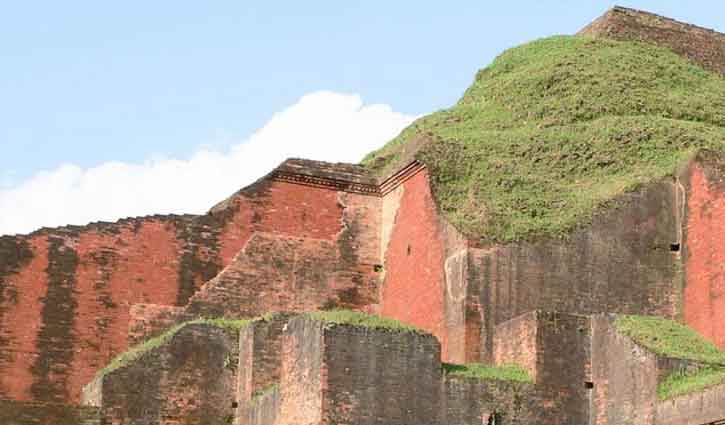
(344, 185)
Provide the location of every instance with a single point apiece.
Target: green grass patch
(357, 318)
(481, 371)
(555, 129)
(669, 338)
(135, 352)
(678, 384)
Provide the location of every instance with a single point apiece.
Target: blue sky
(85, 83)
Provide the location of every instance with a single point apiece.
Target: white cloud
(324, 126)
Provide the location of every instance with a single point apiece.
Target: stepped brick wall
(703, 46)
(622, 262)
(73, 288)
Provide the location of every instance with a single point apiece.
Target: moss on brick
(669, 338)
(356, 318)
(554, 130)
(481, 371)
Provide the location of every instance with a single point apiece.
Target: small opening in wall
(234, 405)
(674, 247)
(408, 250)
(378, 268)
(589, 385)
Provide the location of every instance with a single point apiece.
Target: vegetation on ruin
(554, 130)
(357, 318)
(669, 338)
(137, 351)
(682, 383)
(481, 371)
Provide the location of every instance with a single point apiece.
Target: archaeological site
(548, 250)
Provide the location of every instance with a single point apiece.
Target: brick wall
(419, 242)
(302, 380)
(191, 380)
(378, 376)
(701, 408)
(264, 409)
(621, 262)
(515, 342)
(625, 377)
(704, 251)
(477, 401)
(702, 46)
(74, 288)
(13, 412)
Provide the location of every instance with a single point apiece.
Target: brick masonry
(703, 46)
(312, 235)
(622, 262)
(704, 250)
(190, 380)
(13, 412)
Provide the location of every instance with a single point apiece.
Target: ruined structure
(549, 316)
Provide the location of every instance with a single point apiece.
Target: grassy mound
(481, 371)
(669, 338)
(357, 318)
(554, 129)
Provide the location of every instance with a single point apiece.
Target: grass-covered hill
(553, 129)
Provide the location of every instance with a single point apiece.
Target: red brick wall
(73, 298)
(413, 290)
(72, 288)
(704, 298)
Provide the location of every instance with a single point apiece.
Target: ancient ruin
(550, 250)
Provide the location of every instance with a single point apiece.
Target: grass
(678, 384)
(361, 319)
(135, 352)
(669, 338)
(554, 130)
(481, 371)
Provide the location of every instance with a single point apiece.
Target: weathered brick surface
(276, 273)
(73, 296)
(703, 46)
(189, 380)
(264, 409)
(419, 242)
(302, 380)
(260, 365)
(13, 412)
(376, 376)
(471, 401)
(620, 263)
(73, 288)
(701, 408)
(704, 251)
(625, 377)
(515, 342)
(149, 320)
